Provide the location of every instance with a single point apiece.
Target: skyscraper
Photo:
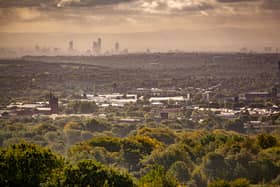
(71, 45)
(94, 47)
(117, 47)
(99, 45)
(37, 48)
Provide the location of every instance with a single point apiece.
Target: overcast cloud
(260, 18)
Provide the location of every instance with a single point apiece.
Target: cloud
(142, 14)
(235, 1)
(271, 4)
(89, 3)
(59, 3)
(27, 3)
(175, 6)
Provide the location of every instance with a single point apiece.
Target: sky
(139, 24)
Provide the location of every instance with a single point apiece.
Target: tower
(53, 103)
(99, 45)
(94, 47)
(37, 48)
(117, 47)
(71, 45)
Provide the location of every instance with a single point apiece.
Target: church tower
(53, 103)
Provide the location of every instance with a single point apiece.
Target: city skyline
(161, 25)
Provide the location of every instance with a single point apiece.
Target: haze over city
(160, 25)
(140, 93)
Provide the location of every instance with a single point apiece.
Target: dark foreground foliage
(30, 165)
(199, 159)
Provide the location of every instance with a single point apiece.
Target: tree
(91, 173)
(180, 171)
(241, 182)
(172, 154)
(215, 166)
(263, 170)
(157, 177)
(97, 125)
(219, 183)
(266, 141)
(81, 107)
(26, 165)
(236, 125)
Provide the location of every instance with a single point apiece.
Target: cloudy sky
(218, 23)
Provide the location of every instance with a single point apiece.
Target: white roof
(44, 109)
(157, 103)
(129, 120)
(157, 99)
(24, 105)
(257, 93)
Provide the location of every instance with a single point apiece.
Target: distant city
(96, 49)
(99, 49)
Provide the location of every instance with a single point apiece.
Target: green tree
(215, 166)
(26, 165)
(97, 125)
(219, 183)
(81, 107)
(241, 182)
(158, 178)
(90, 173)
(266, 141)
(180, 171)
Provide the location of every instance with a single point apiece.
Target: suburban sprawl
(147, 119)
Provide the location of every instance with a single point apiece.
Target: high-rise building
(37, 48)
(71, 45)
(267, 49)
(117, 47)
(99, 42)
(94, 47)
(99, 45)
